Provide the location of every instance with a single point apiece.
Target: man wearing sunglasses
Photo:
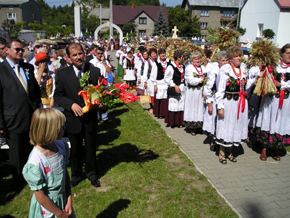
(2, 49)
(19, 97)
(35, 46)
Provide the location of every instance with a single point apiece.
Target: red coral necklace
(200, 73)
(239, 76)
(283, 65)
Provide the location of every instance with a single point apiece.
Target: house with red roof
(144, 17)
(258, 15)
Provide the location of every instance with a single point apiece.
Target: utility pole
(100, 14)
(111, 17)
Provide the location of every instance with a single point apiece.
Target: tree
(242, 30)
(187, 25)
(268, 34)
(160, 24)
(129, 27)
(12, 28)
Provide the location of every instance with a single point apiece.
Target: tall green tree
(160, 25)
(12, 28)
(129, 27)
(185, 22)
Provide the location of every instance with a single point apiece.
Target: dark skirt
(160, 107)
(174, 118)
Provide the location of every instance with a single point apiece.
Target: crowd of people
(216, 99)
(29, 88)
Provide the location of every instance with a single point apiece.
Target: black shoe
(167, 125)
(75, 182)
(96, 183)
(212, 147)
(250, 144)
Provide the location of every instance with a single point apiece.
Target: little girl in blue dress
(45, 170)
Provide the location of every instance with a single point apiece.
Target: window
(10, 7)
(228, 13)
(203, 25)
(33, 16)
(11, 16)
(142, 33)
(204, 13)
(142, 20)
(260, 29)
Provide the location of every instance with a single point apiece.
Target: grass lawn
(142, 173)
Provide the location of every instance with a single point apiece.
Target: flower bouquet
(104, 94)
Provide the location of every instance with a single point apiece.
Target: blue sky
(169, 3)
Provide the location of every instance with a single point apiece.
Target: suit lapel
(74, 80)
(13, 76)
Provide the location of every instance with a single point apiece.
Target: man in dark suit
(79, 125)
(19, 97)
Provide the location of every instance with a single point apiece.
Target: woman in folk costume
(160, 87)
(232, 105)
(253, 101)
(129, 69)
(118, 55)
(194, 106)
(140, 71)
(174, 78)
(150, 68)
(273, 124)
(121, 61)
(209, 122)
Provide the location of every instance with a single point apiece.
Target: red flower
(270, 69)
(43, 212)
(128, 97)
(121, 86)
(228, 83)
(47, 170)
(238, 82)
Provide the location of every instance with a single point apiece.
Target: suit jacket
(89, 57)
(66, 91)
(17, 105)
(30, 57)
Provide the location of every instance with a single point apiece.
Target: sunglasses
(19, 49)
(100, 53)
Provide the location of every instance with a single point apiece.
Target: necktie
(79, 74)
(20, 77)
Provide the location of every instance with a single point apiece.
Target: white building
(258, 15)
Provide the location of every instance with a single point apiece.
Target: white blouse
(223, 76)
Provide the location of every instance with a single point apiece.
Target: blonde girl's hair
(234, 50)
(45, 126)
(195, 54)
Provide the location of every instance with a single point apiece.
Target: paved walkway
(251, 187)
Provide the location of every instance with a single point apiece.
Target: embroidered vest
(160, 72)
(177, 75)
(130, 65)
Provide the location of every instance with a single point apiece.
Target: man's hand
(257, 78)
(77, 109)
(210, 108)
(177, 89)
(2, 132)
(145, 85)
(139, 81)
(221, 113)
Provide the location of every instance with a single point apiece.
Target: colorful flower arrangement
(104, 94)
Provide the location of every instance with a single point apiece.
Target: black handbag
(171, 91)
